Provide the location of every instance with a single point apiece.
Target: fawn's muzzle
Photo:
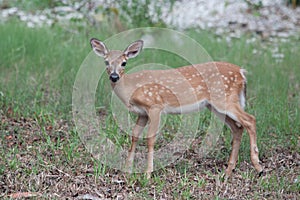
(114, 77)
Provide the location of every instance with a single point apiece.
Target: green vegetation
(41, 151)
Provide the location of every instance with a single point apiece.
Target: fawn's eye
(123, 64)
(106, 63)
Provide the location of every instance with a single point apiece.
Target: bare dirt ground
(34, 163)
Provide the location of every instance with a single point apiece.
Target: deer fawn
(150, 93)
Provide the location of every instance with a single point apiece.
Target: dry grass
(43, 159)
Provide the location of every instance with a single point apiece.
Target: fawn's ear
(134, 49)
(99, 47)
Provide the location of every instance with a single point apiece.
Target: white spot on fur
(199, 87)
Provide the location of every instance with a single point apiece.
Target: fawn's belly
(197, 106)
(183, 109)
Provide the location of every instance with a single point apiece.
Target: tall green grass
(38, 67)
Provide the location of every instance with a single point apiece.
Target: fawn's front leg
(137, 130)
(154, 121)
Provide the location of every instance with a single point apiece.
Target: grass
(41, 152)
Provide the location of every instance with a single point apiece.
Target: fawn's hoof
(261, 173)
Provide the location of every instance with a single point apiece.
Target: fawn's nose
(114, 77)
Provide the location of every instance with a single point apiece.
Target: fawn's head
(115, 60)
